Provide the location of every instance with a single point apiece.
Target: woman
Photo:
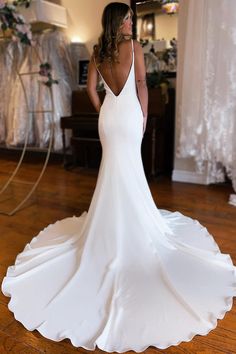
(123, 275)
(113, 44)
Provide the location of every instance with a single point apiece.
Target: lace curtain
(53, 47)
(206, 97)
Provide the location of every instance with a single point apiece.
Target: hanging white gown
(124, 275)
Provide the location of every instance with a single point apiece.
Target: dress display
(123, 275)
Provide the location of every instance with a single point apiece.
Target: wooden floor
(66, 193)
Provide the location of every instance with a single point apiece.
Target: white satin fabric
(52, 47)
(206, 86)
(123, 275)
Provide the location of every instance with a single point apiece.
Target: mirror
(157, 32)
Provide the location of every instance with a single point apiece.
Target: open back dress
(123, 275)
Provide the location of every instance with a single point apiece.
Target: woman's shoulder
(137, 47)
(136, 43)
(126, 43)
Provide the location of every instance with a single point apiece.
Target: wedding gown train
(124, 275)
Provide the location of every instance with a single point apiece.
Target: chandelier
(170, 7)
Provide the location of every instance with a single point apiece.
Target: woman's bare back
(116, 74)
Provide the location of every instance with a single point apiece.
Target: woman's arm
(140, 77)
(92, 84)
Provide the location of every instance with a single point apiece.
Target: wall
(166, 26)
(84, 19)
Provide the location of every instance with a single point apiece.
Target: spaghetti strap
(132, 41)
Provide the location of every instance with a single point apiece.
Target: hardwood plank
(10, 345)
(6, 317)
(36, 340)
(3, 299)
(66, 193)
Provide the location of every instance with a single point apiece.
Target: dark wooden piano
(85, 144)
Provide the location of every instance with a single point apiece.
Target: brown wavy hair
(112, 18)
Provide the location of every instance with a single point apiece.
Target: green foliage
(45, 72)
(25, 3)
(155, 79)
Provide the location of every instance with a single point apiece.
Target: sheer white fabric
(54, 48)
(206, 102)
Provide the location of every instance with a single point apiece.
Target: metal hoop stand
(35, 184)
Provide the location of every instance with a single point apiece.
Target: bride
(123, 275)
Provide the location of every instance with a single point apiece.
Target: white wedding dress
(124, 275)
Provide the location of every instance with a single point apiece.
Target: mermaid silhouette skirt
(124, 275)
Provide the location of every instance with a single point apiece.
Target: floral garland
(11, 20)
(163, 2)
(45, 71)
